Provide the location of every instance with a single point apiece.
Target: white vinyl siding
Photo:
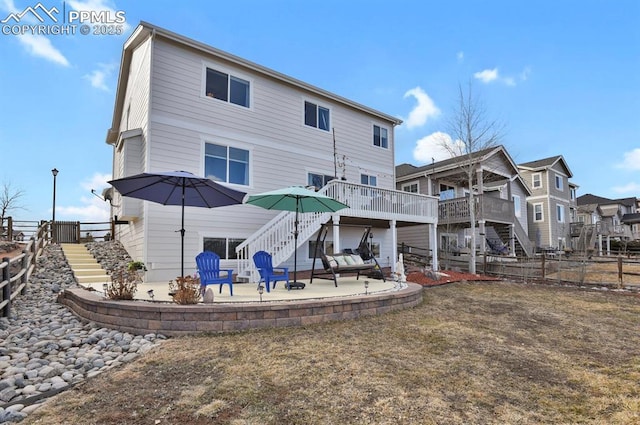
(281, 150)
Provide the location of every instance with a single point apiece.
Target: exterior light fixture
(151, 294)
(366, 287)
(260, 291)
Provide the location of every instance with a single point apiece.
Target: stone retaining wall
(140, 317)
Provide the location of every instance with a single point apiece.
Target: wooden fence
(607, 271)
(59, 231)
(15, 272)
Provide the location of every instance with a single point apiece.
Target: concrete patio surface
(248, 292)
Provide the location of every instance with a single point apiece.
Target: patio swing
(360, 261)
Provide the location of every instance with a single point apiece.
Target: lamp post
(53, 219)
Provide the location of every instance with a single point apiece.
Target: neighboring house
(600, 218)
(500, 198)
(551, 207)
(183, 105)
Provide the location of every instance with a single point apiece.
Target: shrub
(124, 284)
(185, 290)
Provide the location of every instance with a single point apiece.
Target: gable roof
(145, 30)
(405, 172)
(599, 200)
(546, 163)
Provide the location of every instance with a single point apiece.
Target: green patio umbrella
(300, 200)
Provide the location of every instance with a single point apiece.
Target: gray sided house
(551, 207)
(601, 219)
(183, 105)
(500, 203)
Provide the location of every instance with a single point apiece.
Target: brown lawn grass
(472, 353)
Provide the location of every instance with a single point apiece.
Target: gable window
(226, 164)
(516, 205)
(227, 88)
(573, 193)
(224, 247)
(316, 116)
(318, 180)
(410, 187)
(368, 180)
(380, 137)
(537, 180)
(560, 213)
(537, 212)
(559, 184)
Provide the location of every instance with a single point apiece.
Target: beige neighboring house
(601, 219)
(500, 201)
(184, 105)
(551, 207)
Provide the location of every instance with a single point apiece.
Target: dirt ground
(472, 353)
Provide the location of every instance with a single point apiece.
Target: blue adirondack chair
(210, 273)
(268, 273)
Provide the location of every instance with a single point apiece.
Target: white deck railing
(277, 238)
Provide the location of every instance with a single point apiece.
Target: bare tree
(472, 132)
(9, 201)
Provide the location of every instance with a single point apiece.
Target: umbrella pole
(295, 248)
(182, 235)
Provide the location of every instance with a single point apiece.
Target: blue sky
(563, 77)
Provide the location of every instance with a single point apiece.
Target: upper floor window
(380, 137)
(560, 213)
(410, 187)
(226, 164)
(516, 205)
(228, 88)
(559, 184)
(318, 180)
(368, 180)
(537, 180)
(573, 193)
(316, 116)
(537, 212)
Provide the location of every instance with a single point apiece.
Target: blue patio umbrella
(178, 188)
(300, 200)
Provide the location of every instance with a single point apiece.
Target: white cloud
(631, 160)
(35, 45)
(628, 189)
(460, 57)
(435, 147)
(91, 208)
(487, 76)
(98, 77)
(424, 110)
(40, 46)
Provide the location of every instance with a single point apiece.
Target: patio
(247, 292)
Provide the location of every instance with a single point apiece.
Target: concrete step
(86, 269)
